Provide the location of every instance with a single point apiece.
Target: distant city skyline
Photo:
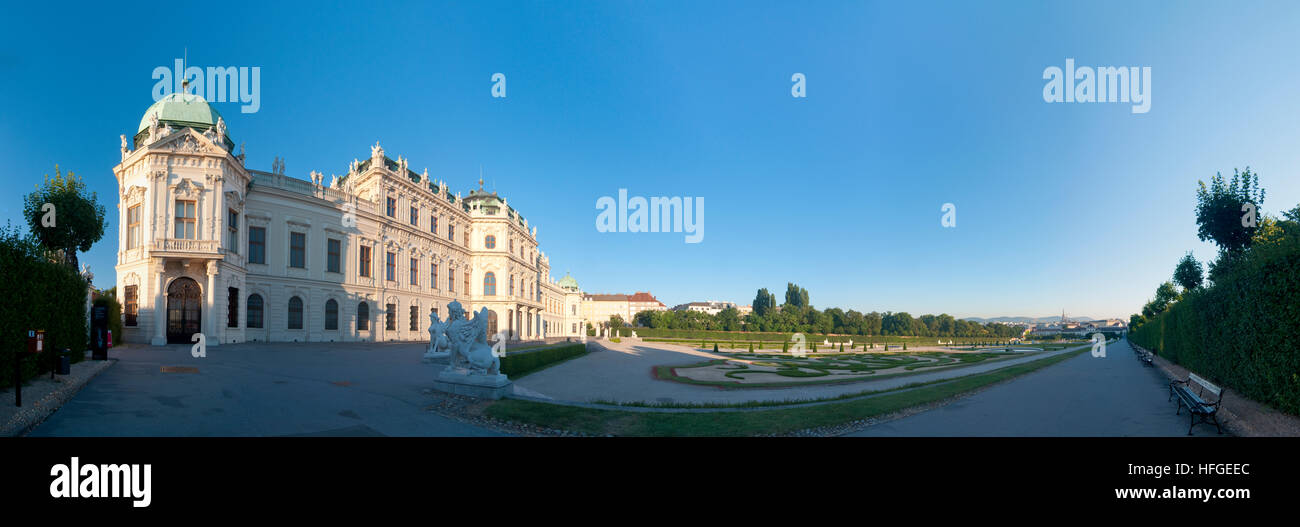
(908, 107)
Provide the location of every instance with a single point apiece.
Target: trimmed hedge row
(38, 294)
(1244, 331)
(518, 364)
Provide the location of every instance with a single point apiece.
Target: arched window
(331, 314)
(363, 317)
(490, 242)
(254, 312)
(489, 284)
(295, 313)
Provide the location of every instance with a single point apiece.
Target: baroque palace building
(207, 245)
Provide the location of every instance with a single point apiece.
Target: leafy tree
(764, 301)
(77, 217)
(795, 295)
(1219, 209)
(1188, 273)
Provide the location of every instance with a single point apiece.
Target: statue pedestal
(461, 381)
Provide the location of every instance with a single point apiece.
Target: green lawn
(747, 423)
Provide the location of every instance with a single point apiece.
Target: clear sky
(910, 105)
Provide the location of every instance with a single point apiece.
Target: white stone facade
(191, 210)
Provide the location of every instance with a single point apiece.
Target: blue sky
(910, 105)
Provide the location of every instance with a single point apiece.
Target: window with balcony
(186, 220)
(133, 227)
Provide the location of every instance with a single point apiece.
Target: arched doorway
(184, 305)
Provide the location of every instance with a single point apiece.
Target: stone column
(209, 329)
(159, 303)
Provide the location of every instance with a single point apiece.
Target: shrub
(519, 364)
(715, 347)
(1243, 331)
(38, 294)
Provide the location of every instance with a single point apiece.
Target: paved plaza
(281, 389)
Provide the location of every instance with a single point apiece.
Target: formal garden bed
(756, 370)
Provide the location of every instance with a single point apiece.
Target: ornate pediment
(187, 188)
(190, 142)
(134, 194)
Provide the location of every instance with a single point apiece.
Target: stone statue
(376, 152)
(153, 127)
(221, 130)
(474, 367)
(124, 149)
(439, 346)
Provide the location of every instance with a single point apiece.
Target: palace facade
(207, 245)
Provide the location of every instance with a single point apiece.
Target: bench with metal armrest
(1198, 408)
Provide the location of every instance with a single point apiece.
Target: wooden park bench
(1198, 408)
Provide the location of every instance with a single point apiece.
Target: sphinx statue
(474, 366)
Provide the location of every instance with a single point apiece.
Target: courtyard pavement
(258, 389)
(623, 372)
(1115, 396)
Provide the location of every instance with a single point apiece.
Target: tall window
(232, 226)
(415, 318)
(295, 313)
(364, 263)
(415, 216)
(512, 245)
(363, 317)
(433, 275)
(489, 284)
(467, 237)
(333, 248)
(433, 223)
(390, 317)
(390, 266)
(331, 314)
(298, 250)
(451, 233)
(133, 227)
(132, 307)
(254, 317)
(392, 207)
(490, 242)
(415, 272)
(186, 219)
(257, 245)
(467, 282)
(512, 285)
(451, 282)
(232, 308)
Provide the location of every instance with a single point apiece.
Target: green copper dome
(180, 110)
(568, 282)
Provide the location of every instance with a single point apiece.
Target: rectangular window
(390, 265)
(232, 226)
(415, 216)
(451, 233)
(332, 255)
(451, 282)
(364, 263)
(298, 250)
(433, 275)
(392, 207)
(433, 224)
(390, 317)
(257, 245)
(467, 283)
(132, 307)
(232, 308)
(415, 272)
(133, 227)
(186, 220)
(415, 318)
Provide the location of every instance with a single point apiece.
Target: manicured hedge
(38, 294)
(1244, 331)
(519, 364)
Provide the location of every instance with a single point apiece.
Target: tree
(795, 295)
(1219, 213)
(764, 301)
(1188, 273)
(63, 217)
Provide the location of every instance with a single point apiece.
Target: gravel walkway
(42, 396)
